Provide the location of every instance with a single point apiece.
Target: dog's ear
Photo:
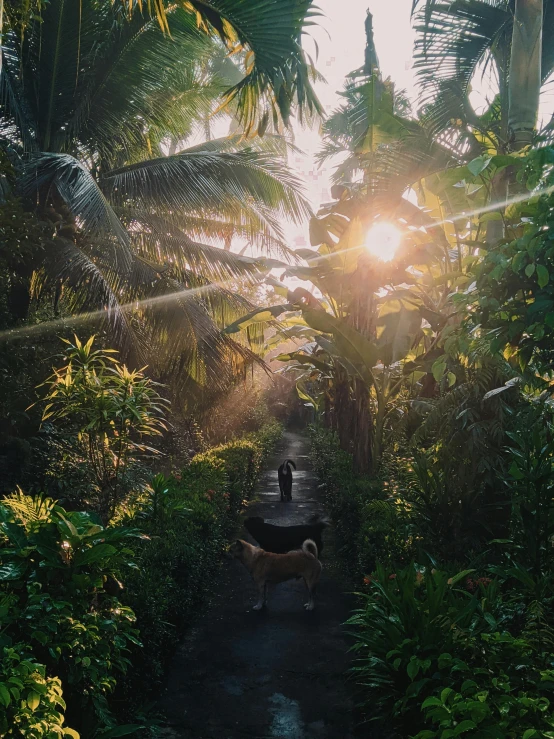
(238, 544)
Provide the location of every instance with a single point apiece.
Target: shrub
(31, 704)
(188, 519)
(488, 705)
(371, 521)
(434, 652)
(113, 412)
(64, 576)
(58, 571)
(405, 622)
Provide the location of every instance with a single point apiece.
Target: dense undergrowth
(89, 609)
(448, 647)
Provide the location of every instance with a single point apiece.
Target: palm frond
(278, 76)
(454, 38)
(179, 252)
(91, 286)
(17, 123)
(246, 181)
(182, 341)
(224, 227)
(28, 509)
(277, 145)
(79, 190)
(166, 78)
(51, 55)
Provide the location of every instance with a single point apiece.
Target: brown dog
(267, 568)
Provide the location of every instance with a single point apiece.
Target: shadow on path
(278, 673)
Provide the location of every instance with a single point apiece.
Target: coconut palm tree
(277, 76)
(88, 99)
(512, 39)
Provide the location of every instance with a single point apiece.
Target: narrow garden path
(278, 673)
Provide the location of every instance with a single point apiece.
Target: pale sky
(340, 38)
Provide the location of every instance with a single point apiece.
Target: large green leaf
(355, 347)
(95, 554)
(307, 359)
(12, 571)
(258, 315)
(397, 327)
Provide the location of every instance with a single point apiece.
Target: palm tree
(511, 38)
(88, 99)
(277, 77)
(525, 71)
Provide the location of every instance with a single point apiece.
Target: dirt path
(278, 673)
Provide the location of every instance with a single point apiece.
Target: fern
(538, 631)
(29, 510)
(383, 509)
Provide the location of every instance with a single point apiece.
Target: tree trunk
(328, 411)
(363, 426)
(525, 71)
(172, 146)
(377, 446)
(343, 411)
(524, 85)
(1, 31)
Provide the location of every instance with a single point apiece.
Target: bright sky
(340, 38)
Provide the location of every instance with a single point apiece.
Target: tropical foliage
(420, 340)
(448, 539)
(91, 104)
(81, 603)
(113, 413)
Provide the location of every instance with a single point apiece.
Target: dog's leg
(310, 605)
(262, 593)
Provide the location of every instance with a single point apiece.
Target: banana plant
(369, 320)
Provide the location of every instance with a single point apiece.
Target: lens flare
(383, 240)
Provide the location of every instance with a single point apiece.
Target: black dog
(284, 473)
(281, 539)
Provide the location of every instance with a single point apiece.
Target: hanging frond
(179, 252)
(454, 39)
(277, 72)
(196, 181)
(80, 192)
(17, 124)
(167, 76)
(29, 510)
(91, 100)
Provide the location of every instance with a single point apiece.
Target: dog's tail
(310, 547)
(289, 461)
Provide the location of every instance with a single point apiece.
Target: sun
(383, 240)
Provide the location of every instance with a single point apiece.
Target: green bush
(58, 571)
(113, 414)
(405, 622)
(436, 652)
(488, 705)
(371, 521)
(31, 704)
(188, 519)
(68, 587)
